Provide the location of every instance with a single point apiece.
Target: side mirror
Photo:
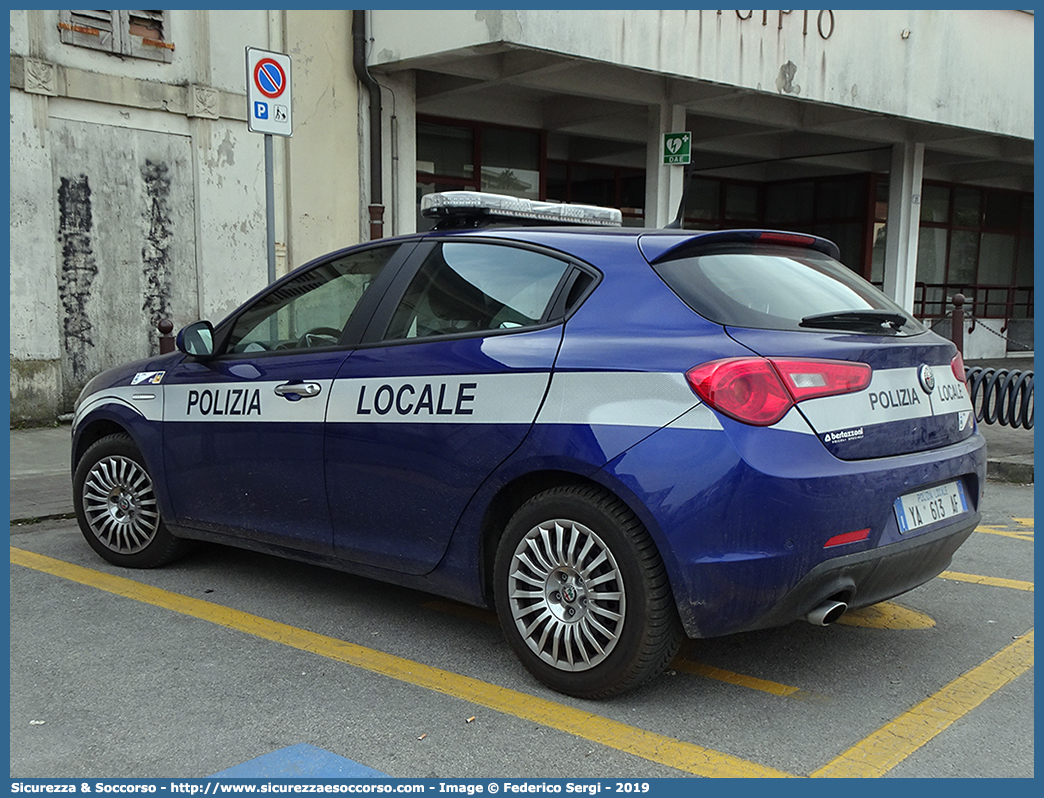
(196, 339)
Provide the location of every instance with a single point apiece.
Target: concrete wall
(324, 209)
(970, 65)
(137, 192)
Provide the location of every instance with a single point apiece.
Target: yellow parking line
(993, 581)
(887, 615)
(753, 682)
(679, 663)
(1005, 533)
(895, 741)
(658, 748)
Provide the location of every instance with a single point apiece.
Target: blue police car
(617, 437)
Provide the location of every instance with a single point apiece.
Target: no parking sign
(269, 109)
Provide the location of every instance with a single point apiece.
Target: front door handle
(298, 390)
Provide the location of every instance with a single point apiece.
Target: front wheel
(116, 506)
(583, 595)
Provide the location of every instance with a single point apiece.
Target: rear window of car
(778, 288)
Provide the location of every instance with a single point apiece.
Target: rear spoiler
(666, 246)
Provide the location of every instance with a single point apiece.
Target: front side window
(310, 310)
(476, 287)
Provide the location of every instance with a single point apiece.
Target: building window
(446, 150)
(978, 242)
(597, 184)
(832, 207)
(455, 155)
(510, 161)
(137, 34)
(713, 203)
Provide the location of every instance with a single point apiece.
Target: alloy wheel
(120, 505)
(566, 595)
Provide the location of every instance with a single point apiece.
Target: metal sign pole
(269, 111)
(270, 207)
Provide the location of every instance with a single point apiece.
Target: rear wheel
(582, 594)
(116, 506)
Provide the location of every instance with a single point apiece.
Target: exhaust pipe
(826, 613)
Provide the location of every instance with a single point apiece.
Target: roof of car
(655, 243)
(481, 213)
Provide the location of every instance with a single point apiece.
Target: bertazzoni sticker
(841, 436)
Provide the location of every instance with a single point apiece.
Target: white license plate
(930, 505)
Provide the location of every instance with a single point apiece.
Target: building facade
(904, 136)
(137, 192)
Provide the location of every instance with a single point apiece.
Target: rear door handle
(298, 390)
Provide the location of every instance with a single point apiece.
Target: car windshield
(782, 288)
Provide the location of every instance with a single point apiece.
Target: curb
(1009, 471)
(38, 519)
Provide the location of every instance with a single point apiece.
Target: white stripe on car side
(590, 398)
(146, 401)
(243, 402)
(441, 399)
(615, 398)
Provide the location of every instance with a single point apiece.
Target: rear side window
(781, 288)
(469, 287)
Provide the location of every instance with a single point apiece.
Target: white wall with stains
(137, 192)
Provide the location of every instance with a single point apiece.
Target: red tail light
(807, 379)
(957, 364)
(760, 391)
(748, 389)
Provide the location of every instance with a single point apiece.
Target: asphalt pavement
(41, 483)
(278, 701)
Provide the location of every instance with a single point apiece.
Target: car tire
(582, 594)
(116, 507)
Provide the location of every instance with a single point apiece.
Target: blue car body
(414, 452)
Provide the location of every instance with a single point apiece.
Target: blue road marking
(301, 761)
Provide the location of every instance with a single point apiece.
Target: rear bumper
(744, 518)
(868, 577)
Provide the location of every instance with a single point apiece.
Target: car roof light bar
(468, 205)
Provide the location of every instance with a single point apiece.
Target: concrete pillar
(904, 212)
(663, 184)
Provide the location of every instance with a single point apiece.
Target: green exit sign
(677, 148)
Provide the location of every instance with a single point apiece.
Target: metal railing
(983, 301)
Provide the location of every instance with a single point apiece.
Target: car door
(243, 429)
(444, 388)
